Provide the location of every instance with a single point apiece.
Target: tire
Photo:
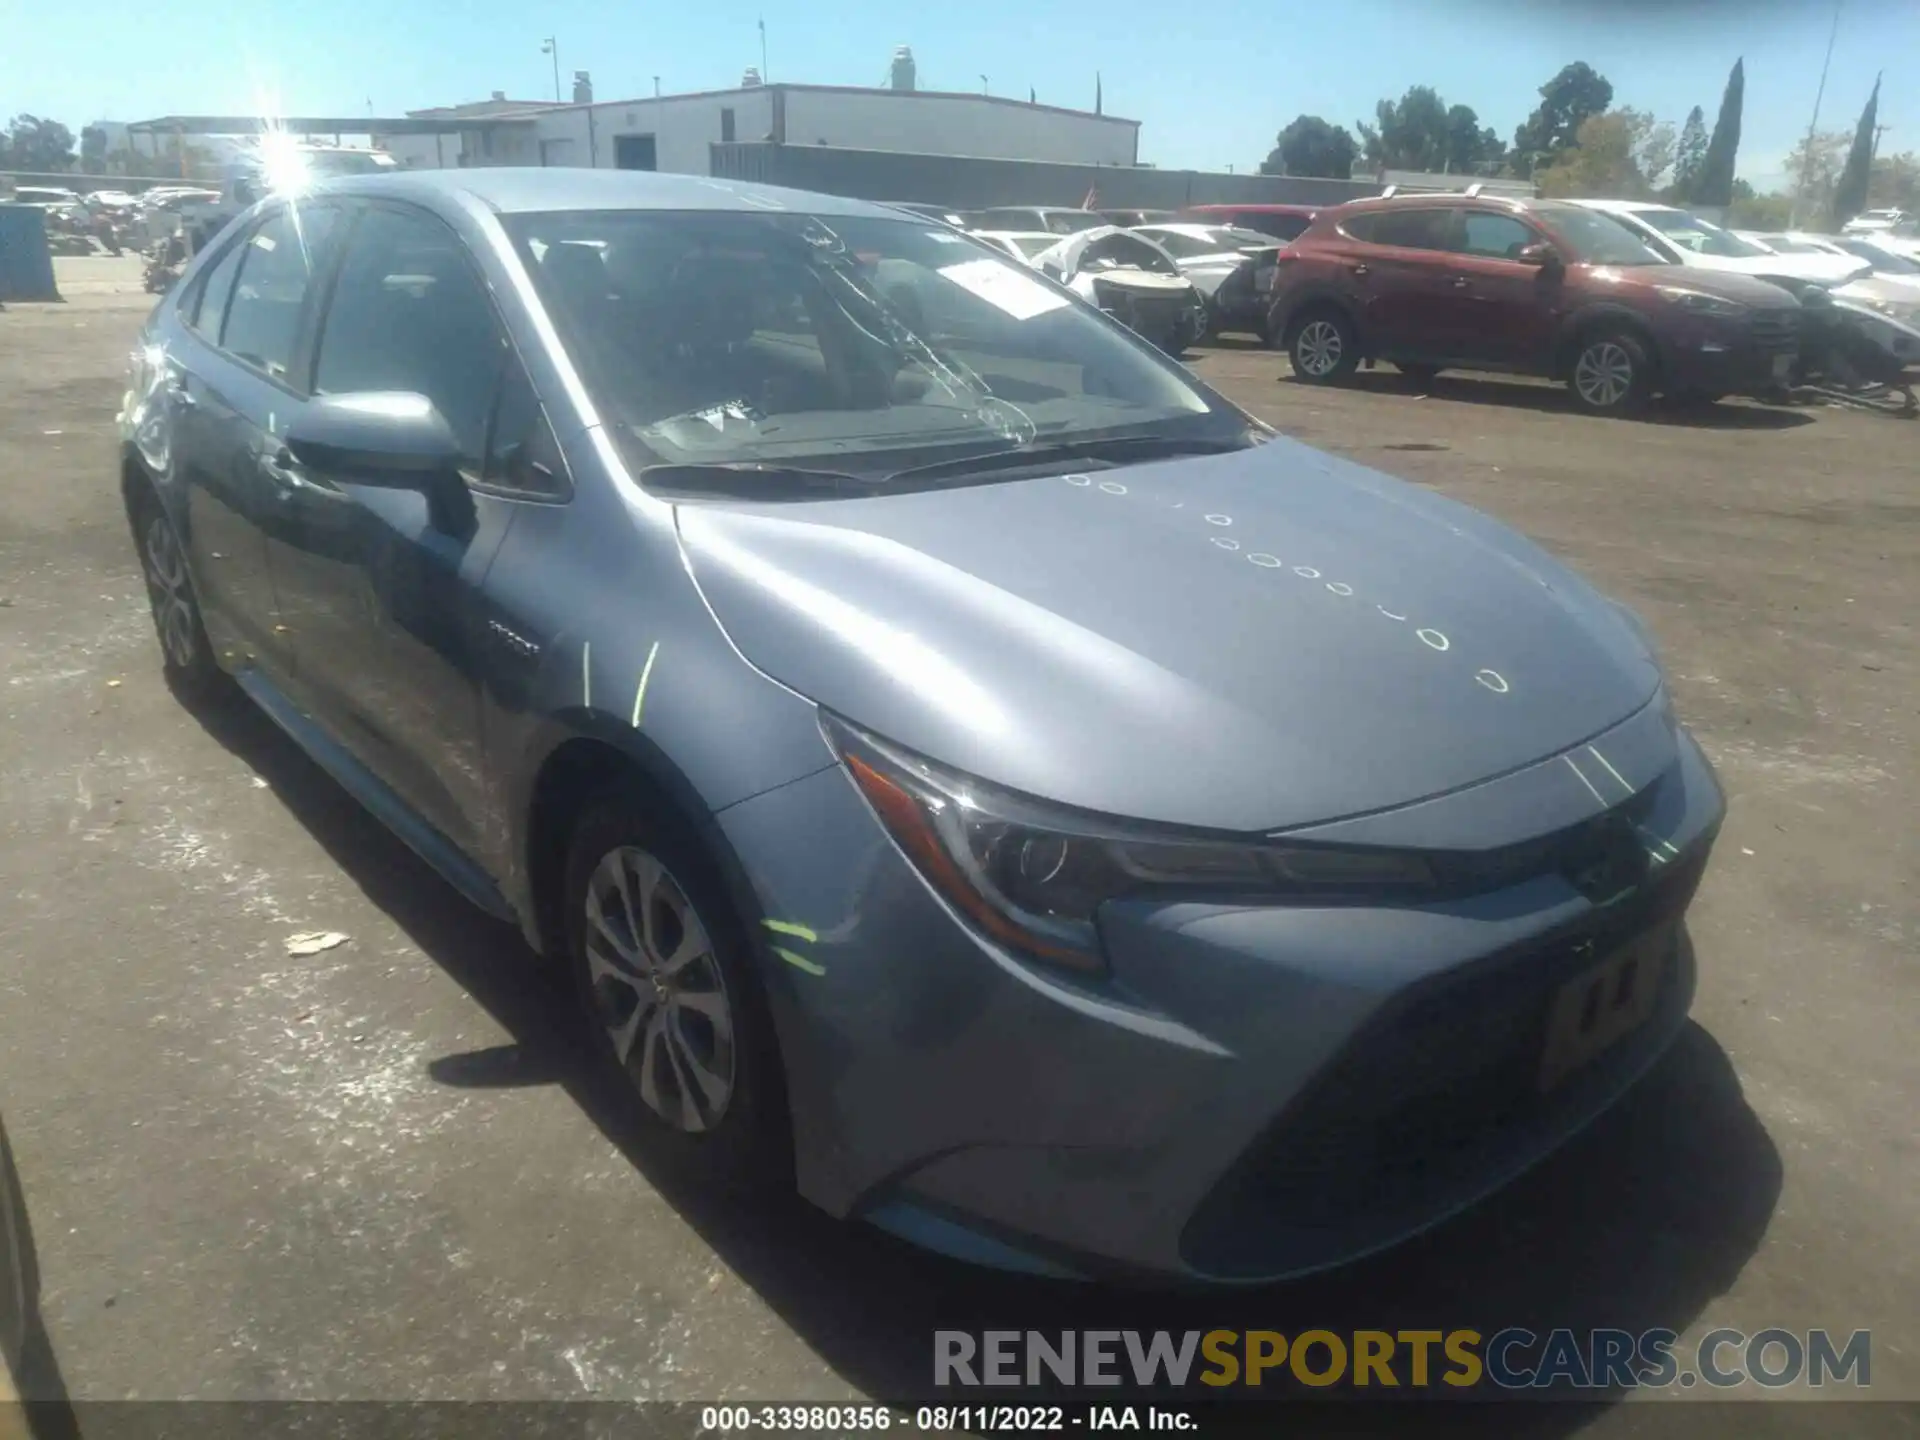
(1421, 375)
(186, 655)
(1323, 347)
(1610, 374)
(699, 1074)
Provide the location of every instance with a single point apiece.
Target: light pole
(983, 85)
(551, 46)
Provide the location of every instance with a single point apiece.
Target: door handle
(1460, 282)
(284, 471)
(1357, 270)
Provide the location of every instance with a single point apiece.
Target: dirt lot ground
(372, 1173)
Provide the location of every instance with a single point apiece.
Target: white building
(673, 132)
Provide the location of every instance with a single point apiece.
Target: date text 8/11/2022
(972, 1419)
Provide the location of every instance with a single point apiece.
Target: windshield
(1031, 245)
(1596, 238)
(1703, 237)
(1882, 259)
(850, 343)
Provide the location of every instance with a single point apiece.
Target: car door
(1401, 278)
(232, 389)
(1507, 311)
(381, 586)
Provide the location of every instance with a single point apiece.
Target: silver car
(969, 769)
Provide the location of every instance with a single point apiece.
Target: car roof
(1624, 207)
(526, 189)
(1199, 230)
(1046, 235)
(1252, 208)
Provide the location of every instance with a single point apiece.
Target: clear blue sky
(1212, 84)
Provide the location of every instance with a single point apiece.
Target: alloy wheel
(1317, 351)
(658, 990)
(170, 592)
(1603, 375)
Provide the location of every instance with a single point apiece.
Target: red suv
(1536, 287)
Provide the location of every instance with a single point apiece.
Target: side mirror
(381, 437)
(390, 438)
(1539, 253)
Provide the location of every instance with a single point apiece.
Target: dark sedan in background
(966, 766)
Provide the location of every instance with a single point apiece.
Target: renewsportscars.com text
(1510, 1359)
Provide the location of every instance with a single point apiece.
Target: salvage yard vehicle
(1282, 222)
(1534, 287)
(1686, 239)
(1026, 246)
(976, 773)
(1058, 219)
(1232, 269)
(1132, 279)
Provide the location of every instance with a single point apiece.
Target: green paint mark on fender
(799, 962)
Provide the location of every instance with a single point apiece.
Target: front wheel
(1324, 349)
(665, 975)
(1612, 374)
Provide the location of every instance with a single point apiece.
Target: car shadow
(1639, 1223)
(1481, 389)
(26, 1352)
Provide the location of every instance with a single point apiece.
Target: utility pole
(551, 46)
(1878, 131)
(765, 79)
(1806, 164)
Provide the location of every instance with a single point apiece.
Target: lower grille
(1417, 1097)
(1775, 330)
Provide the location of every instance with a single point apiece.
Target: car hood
(1825, 269)
(1249, 642)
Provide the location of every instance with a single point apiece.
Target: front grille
(1775, 330)
(1415, 1100)
(1150, 315)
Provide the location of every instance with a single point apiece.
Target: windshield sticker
(1000, 285)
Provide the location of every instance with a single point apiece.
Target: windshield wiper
(748, 480)
(1103, 453)
(744, 480)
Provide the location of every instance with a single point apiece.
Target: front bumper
(1254, 1092)
(1754, 355)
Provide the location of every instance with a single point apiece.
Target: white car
(1690, 240)
(1887, 263)
(1132, 279)
(1233, 268)
(1883, 222)
(1026, 246)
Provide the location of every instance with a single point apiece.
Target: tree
(1759, 212)
(1815, 164)
(1567, 102)
(1410, 135)
(1311, 146)
(1896, 182)
(1472, 149)
(37, 144)
(1688, 156)
(1850, 193)
(1715, 183)
(1620, 155)
(93, 149)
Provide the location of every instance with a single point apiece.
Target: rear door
(382, 589)
(234, 389)
(1401, 277)
(1510, 310)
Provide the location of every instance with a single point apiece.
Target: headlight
(1031, 876)
(1907, 313)
(1699, 303)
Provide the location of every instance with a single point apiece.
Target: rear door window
(1422, 229)
(207, 306)
(277, 264)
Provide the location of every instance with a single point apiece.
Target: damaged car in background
(1232, 269)
(1133, 280)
